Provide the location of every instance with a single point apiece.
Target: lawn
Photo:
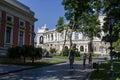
(104, 71)
(37, 63)
(66, 57)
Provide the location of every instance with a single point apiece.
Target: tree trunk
(64, 41)
(91, 50)
(71, 38)
(24, 59)
(32, 60)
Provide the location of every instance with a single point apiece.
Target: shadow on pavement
(53, 72)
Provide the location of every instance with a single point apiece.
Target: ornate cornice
(29, 14)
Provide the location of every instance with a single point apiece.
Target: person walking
(90, 60)
(71, 59)
(84, 59)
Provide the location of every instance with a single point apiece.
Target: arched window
(81, 48)
(41, 40)
(66, 47)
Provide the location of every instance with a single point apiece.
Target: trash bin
(95, 65)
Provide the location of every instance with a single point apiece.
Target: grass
(104, 71)
(65, 57)
(37, 63)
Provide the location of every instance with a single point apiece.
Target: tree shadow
(59, 71)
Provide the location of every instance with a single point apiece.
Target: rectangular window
(84, 36)
(21, 38)
(8, 35)
(9, 18)
(76, 35)
(21, 23)
(31, 27)
(69, 35)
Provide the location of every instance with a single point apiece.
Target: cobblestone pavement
(53, 72)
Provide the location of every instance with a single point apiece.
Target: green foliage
(112, 8)
(77, 53)
(116, 54)
(25, 51)
(82, 16)
(104, 71)
(91, 25)
(116, 44)
(60, 21)
(65, 51)
(59, 29)
(60, 25)
(14, 52)
(43, 51)
(52, 50)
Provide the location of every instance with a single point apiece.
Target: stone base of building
(3, 51)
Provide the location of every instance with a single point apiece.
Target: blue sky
(46, 11)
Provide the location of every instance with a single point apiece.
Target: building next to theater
(16, 24)
(51, 39)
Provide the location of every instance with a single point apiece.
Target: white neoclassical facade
(52, 39)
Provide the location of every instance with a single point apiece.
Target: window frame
(10, 16)
(22, 22)
(30, 27)
(19, 38)
(6, 35)
(76, 35)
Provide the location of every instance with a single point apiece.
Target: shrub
(14, 52)
(38, 53)
(52, 50)
(77, 53)
(65, 52)
(26, 51)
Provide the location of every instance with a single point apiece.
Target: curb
(14, 71)
(23, 69)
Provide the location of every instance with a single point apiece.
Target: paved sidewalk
(5, 69)
(54, 72)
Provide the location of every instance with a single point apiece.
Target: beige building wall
(53, 39)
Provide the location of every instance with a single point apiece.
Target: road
(53, 72)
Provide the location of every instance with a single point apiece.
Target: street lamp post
(111, 24)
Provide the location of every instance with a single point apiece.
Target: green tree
(83, 17)
(116, 44)
(91, 28)
(32, 52)
(112, 9)
(14, 52)
(38, 53)
(25, 52)
(61, 27)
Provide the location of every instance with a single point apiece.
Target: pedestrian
(71, 59)
(90, 59)
(84, 59)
